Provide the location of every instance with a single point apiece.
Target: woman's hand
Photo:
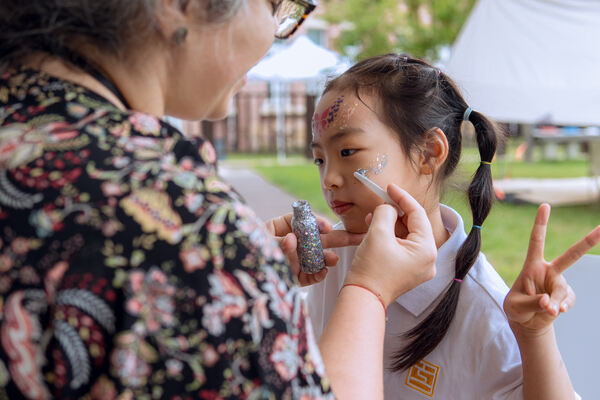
(389, 265)
(281, 228)
(540, 292)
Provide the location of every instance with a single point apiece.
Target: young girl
(398, 120)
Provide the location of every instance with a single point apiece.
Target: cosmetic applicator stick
(375, 188)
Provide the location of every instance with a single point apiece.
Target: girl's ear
(434, 151)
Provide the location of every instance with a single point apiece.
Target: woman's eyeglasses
(290, 14)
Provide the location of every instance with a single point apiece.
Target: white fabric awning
(301, 60)
(531, 61)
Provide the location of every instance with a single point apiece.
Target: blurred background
(531, 65)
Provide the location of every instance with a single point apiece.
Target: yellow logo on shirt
(422, 377)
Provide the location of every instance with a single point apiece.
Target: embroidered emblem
(422, 377)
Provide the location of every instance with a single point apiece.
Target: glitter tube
(306, 229)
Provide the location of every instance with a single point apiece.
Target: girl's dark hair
(413, 99)
(62, 27)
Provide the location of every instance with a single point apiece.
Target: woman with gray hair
(127, 267)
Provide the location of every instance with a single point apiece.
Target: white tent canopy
(302, 60)
(531, 61)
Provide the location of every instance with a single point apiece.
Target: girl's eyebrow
(347, 130)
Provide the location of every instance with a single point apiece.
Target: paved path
(266, 199)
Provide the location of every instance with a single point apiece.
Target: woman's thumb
(384, 219)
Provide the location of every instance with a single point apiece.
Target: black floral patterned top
(128, 269)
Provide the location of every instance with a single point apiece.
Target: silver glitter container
(306, 229)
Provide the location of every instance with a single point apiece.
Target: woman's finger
(331, 258)
(400, 229)
(311, 279)
(280, 226)
(578, 250)
(339, 238)
(288, 246)
(369, 218)
(538, 234)
(417, 222)
(384, 219)
(324, 224)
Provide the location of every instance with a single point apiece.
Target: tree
(419, 27)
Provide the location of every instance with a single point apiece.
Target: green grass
(506, 231)
(507, 167)
(507, 228)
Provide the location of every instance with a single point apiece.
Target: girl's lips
(340, 208)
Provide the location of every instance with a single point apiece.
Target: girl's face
(348, 136)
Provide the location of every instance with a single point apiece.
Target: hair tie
(486, 162)
(476, 227)
(458, 280)
(467, 114)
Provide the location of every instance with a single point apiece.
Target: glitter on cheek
(378, 164)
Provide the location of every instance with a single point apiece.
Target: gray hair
(113, 26)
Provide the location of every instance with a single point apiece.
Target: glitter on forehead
(346, 115)
(327, 118)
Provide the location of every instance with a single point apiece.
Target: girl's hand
(540, 292)
(388, 265)
(281, 228)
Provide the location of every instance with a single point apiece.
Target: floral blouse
(128, 269)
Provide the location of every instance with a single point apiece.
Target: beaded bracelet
(374, 293)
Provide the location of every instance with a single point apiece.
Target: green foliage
(373, 24)
(418, 27)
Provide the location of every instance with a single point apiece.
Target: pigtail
(425, 337)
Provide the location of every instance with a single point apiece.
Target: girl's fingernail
(564, 307)
(554, 308)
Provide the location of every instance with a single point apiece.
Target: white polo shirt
(478, 358)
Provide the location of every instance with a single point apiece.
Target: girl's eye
(348, 152)
(318, 161)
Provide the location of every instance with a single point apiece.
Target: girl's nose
(332, 179)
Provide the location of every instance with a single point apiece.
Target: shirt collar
(420, 298)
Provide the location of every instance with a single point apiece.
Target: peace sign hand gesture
(540, 292)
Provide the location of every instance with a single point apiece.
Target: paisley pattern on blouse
(128, 269)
